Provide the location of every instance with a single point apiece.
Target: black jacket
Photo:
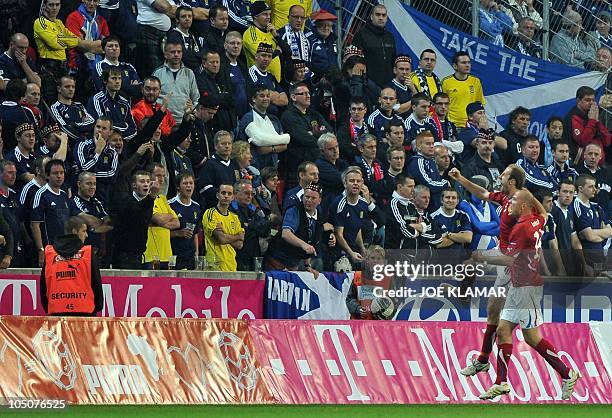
(378, 46)
(513, 152)
(256, 225)
(218, 87)
(215, 39)
(330, 180)
(304, 129)
(202, 144)
(167, 145)
(7, 233)
(131, 223)
(400, 235)
(478, 166)
(214, 172)
(67, 246)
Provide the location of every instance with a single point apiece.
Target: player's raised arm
(529, 197)
(480, 192)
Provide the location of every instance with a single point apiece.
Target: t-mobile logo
(334, 331)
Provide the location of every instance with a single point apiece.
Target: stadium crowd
(230, 131)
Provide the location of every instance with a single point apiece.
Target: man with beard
(146, 107)
(55, 143)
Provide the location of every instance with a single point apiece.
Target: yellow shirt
(53, 38)
(461, 94)
(431, 83)
(280, 10)
(158, 241)
(224, 253)
(251, 39)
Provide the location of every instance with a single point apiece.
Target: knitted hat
(49, 129)
(314, 187)
(264, 47)
(298, 64)
(23, 127)
(351, 51)
(403, 58)
(488, 134)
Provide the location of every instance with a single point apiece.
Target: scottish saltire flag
(298, 295)
(509, 79)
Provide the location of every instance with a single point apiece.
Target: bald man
(14, 63)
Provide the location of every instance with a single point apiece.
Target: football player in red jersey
(512, 180)
(522, 306)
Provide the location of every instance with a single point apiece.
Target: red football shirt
(525, 244)
(506, 221)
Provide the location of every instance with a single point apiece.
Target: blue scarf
(92, 31)
(548, 155)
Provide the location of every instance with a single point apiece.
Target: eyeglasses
(357, 109)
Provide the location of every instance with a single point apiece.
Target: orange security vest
(69, 281)
(365, 288)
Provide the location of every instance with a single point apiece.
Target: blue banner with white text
(299, 295)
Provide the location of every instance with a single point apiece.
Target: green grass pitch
(323, 411)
